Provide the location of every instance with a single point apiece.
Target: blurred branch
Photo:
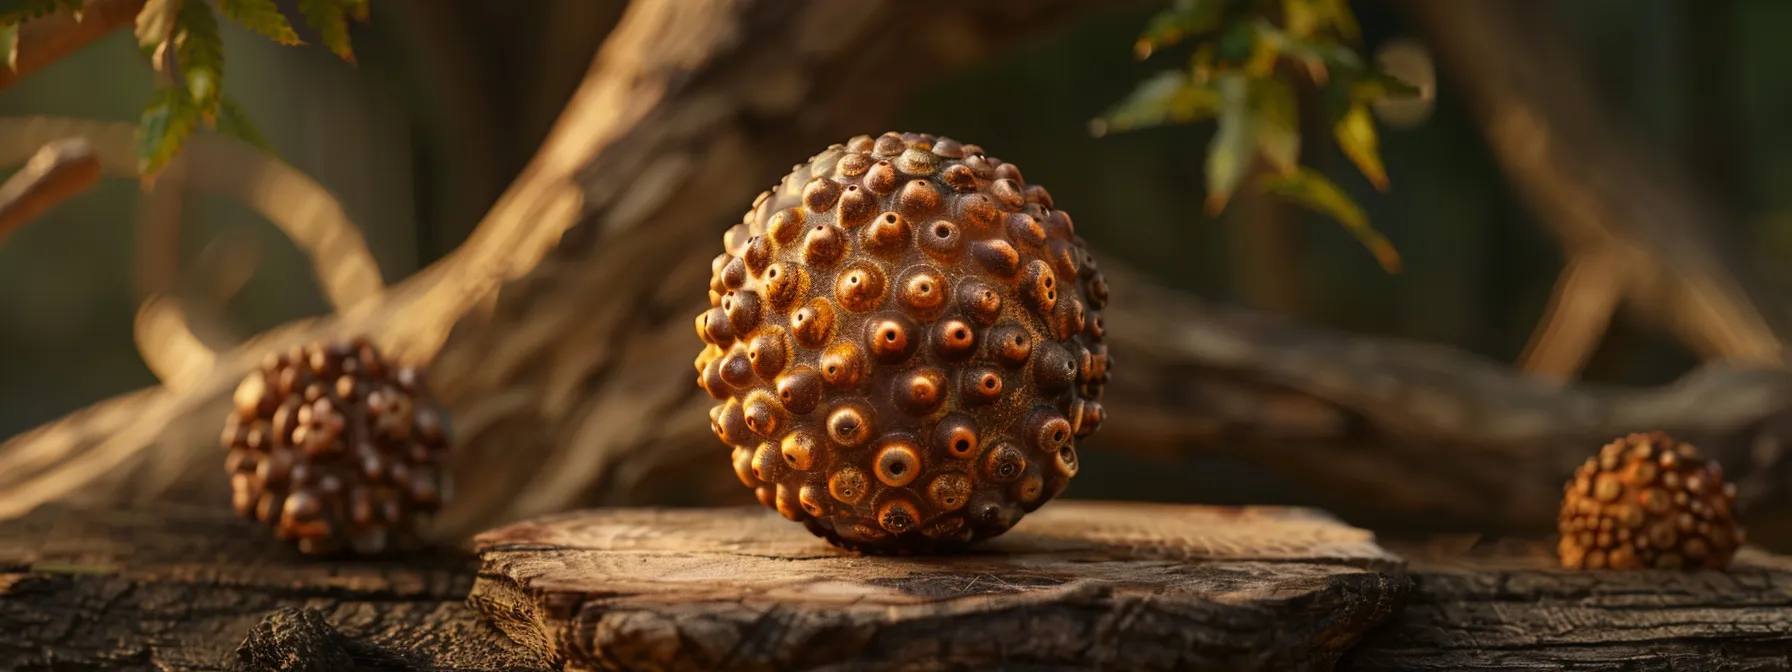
(1580, 309)
(300, 207)
(1598, 192)
(57, 172)
(168, 344)
(43, 41)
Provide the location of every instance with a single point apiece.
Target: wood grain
(1507, 606)
(1075, 585)
(171, 588)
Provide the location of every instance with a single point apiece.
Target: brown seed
(813, 325)
(980, 301)
(922, 291)
(785, 285)
(922, 391)
(982, 385)
(997, 257)
(891, 340)
(849, 426)
(956, 435)
(820, 194)
(1607, 488)
(941, 240)
(882, 178)
(898, 463)
(919, 199)
(955, 340)
(848, 485)
(786, 226)
(799, 389)
(857, 207)
(843, 365)
(949, 491)
(1004, 464)
(860, 288)
(888, 234)
(897, 516)
(823, 246)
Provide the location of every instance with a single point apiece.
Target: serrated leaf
(233, 121)
(261, 16)
(155, 23)
(1311, 189)
(1170, 97)
(1185, 19)
(9, 45)
(201, 54)
(1278, 123)
(1234, 144)
(330, 19)
(1356, 136)
(14, 12)
(167, 122)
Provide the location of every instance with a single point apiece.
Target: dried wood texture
(1508, 606)
(174, 589)
(1076, 585)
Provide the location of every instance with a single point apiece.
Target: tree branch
(43, 41)
(1580, 309)
(58, 171)
(1596, 191)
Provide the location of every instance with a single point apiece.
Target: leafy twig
(1234, 76)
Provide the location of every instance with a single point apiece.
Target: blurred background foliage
(450, 97)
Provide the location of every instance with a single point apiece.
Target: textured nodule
(1648, 501)
(904, 339)
(338, 450)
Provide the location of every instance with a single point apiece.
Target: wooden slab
(1077, 585)
(175, 588)
(1507, 606)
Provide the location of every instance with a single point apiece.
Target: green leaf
(1375, 85)
(1311, 189)
(201, 53)
(14, 12)
(1278, 123)
(262, 17)
(155, 23)
(1170, 97)
(233, 121)
(9, 45)
(167, 122)
(1234, 145)
(1185, 19)
(1356, 136)
(1337, 14)
(330, 19)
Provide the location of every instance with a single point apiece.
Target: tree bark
(1507, 605)
(198, 590)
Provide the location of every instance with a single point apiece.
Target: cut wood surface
(1076, 585)
(1508, 606)
(170, 588)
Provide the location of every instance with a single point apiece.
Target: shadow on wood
(1075, 584)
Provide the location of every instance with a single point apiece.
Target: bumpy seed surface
(337, 450)
(1648, 501)
(904, 342)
